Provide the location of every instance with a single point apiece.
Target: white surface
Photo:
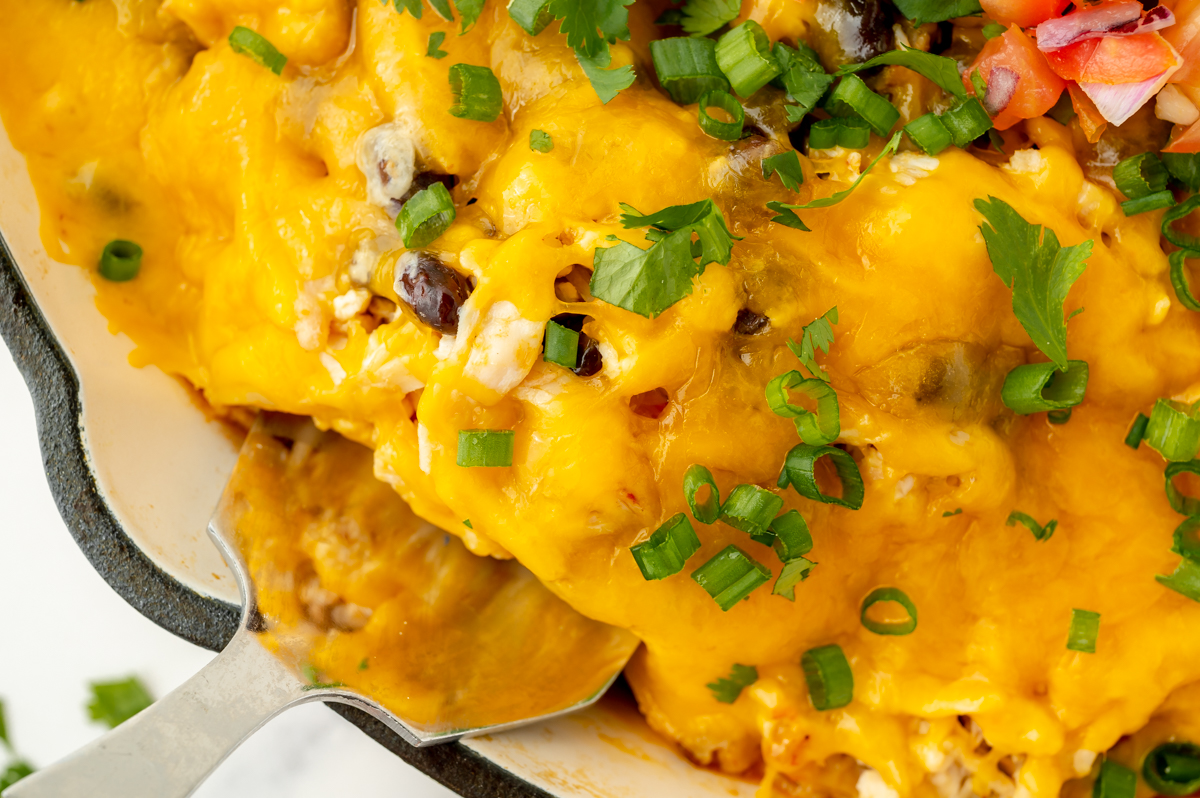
(62, 627)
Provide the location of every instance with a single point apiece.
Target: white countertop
(62, 627)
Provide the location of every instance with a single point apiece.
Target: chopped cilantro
(817, 334)
(470, 10)
(362, 666)
(787, 166)
(540, 141)
(467, 524)
(727, 690)
(1040, 533)
(413, 7)
(941, 70)
(4, 729)
(947, 514)
(443, 9)
(608, 83)
(702, 17)
(14, 773)
(435, 43)
(922, 11)
(591, 25)
(113, 703)
(702, 218)
(1038, 270)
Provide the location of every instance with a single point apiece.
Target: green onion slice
(787, 166)
(799, 470)
(425, 216)
(725, 131)
(1184, 505)
(740, 677)
(485, 448)
(1179, 280)
(1173, 769)
(1185, 580)
(1140, 175)
(1137, 431)
(120, 261)
(830, 680)
(895, 596)
(792, 539)
(849, 132)
(532, 15)
(851, 96)
(751, 509)
(1042, 533)
(794, 572)
(928, 133)
(562, 345)
(1037, 387)
(1187, 539)
(249, 43)
(1059, 416)
(815, 429)
(476, 93)
(1173, 431)
(694, 480)
(731, 576)
(687, 67)
(1181, 240)
(1150, 202)
(966, 121)
(744, 55)
(540, 141)
(665, 553)
(1085, 628)
(1114, 781)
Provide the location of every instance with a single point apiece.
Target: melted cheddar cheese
(244, 189)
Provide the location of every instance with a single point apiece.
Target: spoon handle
(168, 749)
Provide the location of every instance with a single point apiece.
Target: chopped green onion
(1059, 416)
(694, 480)
(1037, 387)
(562, 345)
(1179, 280)
(815, 429)
(1150, 202)
(896, 596)
(1173, 769)
(485, 448)
(731, 576)
(1184, 167)
(1187, 539)
(665, 553)
(1085, 628)
(851, 96)
(1042, 533)
(1114, 781)
(992, 30)
(532, 15)
(120, 261)
(1184, 581)
(744, 55)
(799, 472)
(1173, 431)
(425, 216)
(787, 166)
(830, 680)
(687, 67)
(966, 121)
(740, 677)
(928, 133)
(1181, 240)
(434, 48)
(792, 539)
(978, 83)
(794, 572)
(249, 43)
(1184, 505)
(476, 93)
(540, 141)
(1137, 431)
(725, 131)
(1140, 176)
(850, 132)
(751, 509)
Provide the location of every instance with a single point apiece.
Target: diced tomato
(1114, 59)
(1184, 36)
(1091, 121)
(1025, 13)
(1184, 139)
(1037, 90)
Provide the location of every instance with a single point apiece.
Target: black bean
(433, 290)
(851, 31)
(590, 360)
(750, 323)
(424, 180)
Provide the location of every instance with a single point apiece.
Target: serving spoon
(472, 670)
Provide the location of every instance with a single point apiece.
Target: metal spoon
(167, 750)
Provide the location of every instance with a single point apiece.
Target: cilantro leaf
(443, 9)
(787, 216)
(14, 773)
(941, 70)
(540, 141)
(793, 220)
(470, 10)
(1038, 270)
(435, 44)
(4, 729)
(113, 703)
(740, 677)
(702, 17)
(590, 25)
(787, 166)
(413, 7)
(649, 281)
(922, 11)
(608, 83)
(1040, 533)
(817, 334)
(703, 218)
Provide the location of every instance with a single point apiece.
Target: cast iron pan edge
(204, 621)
